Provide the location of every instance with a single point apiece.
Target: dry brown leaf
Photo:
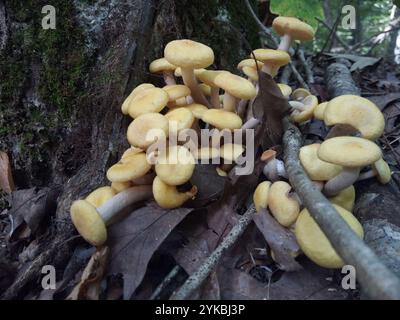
(281, 241)
(89, 286)
(6, 178)
(134, 240)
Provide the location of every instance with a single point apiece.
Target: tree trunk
(390, 53)
(61, 90)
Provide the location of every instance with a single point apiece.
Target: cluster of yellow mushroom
(333, 165)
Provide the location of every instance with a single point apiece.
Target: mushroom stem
(189, 100)
(122, 200)
(270, 69)
(251, 124)
(274, 169)
(285, 43)
(366, 175)
(343, 180)
(215, 97)
(169, 78)
(190, 80)
(297, 105)
(241, 109)
(230, 102)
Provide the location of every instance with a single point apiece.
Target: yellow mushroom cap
(205, 88)
(222, 119)
(206, 153)
(310, 102)
(300, 94)
(277, 58)
(161, 65)
(345, 198)
(130, 152)
(189, 54)
(250, 63)
(382, 171)
(150, 100)
(121, 186)
(208, 76)
(146, 129)
(320, 110)
(231, 151)
(168, 197)
(175, 166)
(176, 91)
(130, 168)
(349, 151)
(316, 168)
(297, 29)
(358, 112)
(99, 196)
(284, 208)
(236, 86)
(180, 119)
(88, 222)
(251, 73)
(135, 92)
(316, 245)
(197, 109)
(260, 196)
(285, 89)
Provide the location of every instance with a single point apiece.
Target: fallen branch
(333, 32)
(377, 280)
(166, 281)
(197, 278)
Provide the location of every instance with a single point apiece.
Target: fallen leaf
(209, 183)
(281, 241)
(359, 62)
(134, 240)
(6, 178)
(340, 130)
(89, 286)
(384, 101)
(269, 108)
(28, 208)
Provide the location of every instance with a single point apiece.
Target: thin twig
(197, 278)
(333, 32)
(167, 280)
(377, 280)
(307, 69)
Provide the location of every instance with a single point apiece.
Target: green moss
(62, 65)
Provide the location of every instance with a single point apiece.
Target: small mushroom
(129, 168)
(149, 101)
(345, 198)
(180, 119)
(121, 186)
(272, 59)
(176, 93)
(168, 197)
(134, 93)
(300, 94)
(235, 88)
(146, 129)
(304, 112)
(165, 68)
(222, 119)
(230, 152)
(320, 110)
(190, 55)
(208, 78)
(285, 89)
(175, 166)
(100, 195)
(198, 110)
(317, 169)
(275, 168)
(206, 154)
(260, 196)
(352, 154)
(290, 29)
(358, 112)
(283, 206)
(250, 68)
(380, 170)
(91, 222)
(316, 245)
